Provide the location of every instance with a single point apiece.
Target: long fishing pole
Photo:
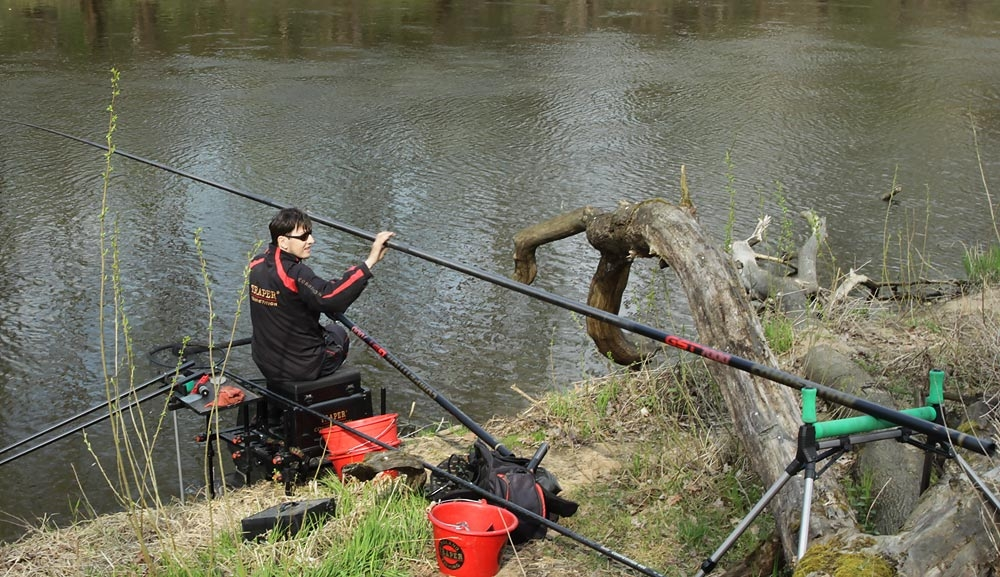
(65, 422)
(493, 498)
(423, 386)
(931, 429)
(82, 426)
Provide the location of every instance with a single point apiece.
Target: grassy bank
(648, 455)
(653, 479)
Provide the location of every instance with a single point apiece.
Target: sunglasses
(303, 237)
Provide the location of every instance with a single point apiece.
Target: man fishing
(287, 298)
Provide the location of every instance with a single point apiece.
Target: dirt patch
(572, 465)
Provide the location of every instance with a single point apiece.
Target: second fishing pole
(423, 386)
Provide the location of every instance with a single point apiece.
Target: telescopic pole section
(423, 386)
(82, 426)
(932, 430)
(95, 408)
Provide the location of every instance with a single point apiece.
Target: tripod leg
(177, 447)
(978, 482)
(810, 476)
(713, 560)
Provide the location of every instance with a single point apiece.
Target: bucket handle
(460, 526)
(463, 526)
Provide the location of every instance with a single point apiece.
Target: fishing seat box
(287, 518)
(344, 382)
(339, 396)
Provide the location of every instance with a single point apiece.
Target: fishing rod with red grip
(423, 386)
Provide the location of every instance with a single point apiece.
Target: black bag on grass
(509, 478)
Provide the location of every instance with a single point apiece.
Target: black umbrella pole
(423, 386)
(933, 430)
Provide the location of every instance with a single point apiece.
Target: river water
(453, 124)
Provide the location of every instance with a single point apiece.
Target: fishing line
(931, 429)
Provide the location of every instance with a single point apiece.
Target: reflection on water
(454, 124)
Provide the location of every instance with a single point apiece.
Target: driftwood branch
(762, 284)
(527, 240)
(920, 290)
(659, 229)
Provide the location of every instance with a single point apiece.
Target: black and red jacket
(286, 300)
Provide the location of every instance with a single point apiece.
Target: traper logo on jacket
(265, 297)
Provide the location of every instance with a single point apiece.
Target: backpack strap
(558, 506)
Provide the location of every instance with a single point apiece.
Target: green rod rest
(809, 406)
(853, 425)
(936, 394)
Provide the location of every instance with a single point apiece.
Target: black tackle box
(288, 518)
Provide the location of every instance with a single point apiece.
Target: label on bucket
(450, 554)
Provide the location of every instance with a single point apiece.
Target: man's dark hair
(285, 222)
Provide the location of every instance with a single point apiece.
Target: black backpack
(506, 477)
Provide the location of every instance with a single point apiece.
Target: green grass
(379, 529)
(779, 332)
(861, 495)
(679, 489)
(982, 266)
(664, 505)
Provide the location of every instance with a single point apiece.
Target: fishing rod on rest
(929, 428)
(94, 421)
(103, 405)
(423, 386)
(465, 484)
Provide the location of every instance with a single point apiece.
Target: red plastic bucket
(469, 537)
(344, 447)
